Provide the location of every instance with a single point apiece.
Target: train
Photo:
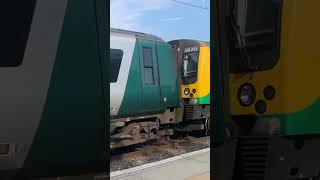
(157, 88)
(55, 98)
(194, 59)
(267, 83)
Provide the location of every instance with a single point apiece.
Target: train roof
(138, 35)
(186, 40)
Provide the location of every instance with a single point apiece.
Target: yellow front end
(295, 77)
(201, 88)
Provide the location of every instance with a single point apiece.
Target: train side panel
(126, 92)
(71, 135)
(25, 83)
(151, 85)
(149, 76)
(168, 77)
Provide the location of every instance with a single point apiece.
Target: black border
(222, 154)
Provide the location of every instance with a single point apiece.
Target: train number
(191, 49)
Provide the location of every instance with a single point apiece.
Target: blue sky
(165, 18)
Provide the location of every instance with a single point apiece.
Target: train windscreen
(190, 65)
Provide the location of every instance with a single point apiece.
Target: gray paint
(24, 88)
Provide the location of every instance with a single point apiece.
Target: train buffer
(189, 166)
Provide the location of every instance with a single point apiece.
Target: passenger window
(15, 17)
(115, 63)
(148, 65)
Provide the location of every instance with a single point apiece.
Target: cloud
(127, 14)
(172, 19)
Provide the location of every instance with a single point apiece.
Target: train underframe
(140, 129)
(195, 118)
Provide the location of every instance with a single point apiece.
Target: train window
(190, 65)
(256, 35)
(15, 17)
(148, 76)
(148, 65)
(115, 62)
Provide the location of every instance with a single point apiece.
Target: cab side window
(148, 65)
(115, 63)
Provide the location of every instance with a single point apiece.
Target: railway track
(164, 146)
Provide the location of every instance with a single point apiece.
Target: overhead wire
(192, 5)
(195, 6)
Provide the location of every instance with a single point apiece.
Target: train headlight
(186, 91)
(246, 94)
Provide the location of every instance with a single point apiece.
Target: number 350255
(191, 49)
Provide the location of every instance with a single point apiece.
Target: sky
(167, 19)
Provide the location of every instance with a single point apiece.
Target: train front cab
(193, 58)
(273, 86)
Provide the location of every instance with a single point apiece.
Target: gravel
(118, 165)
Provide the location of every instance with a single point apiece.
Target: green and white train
(146, 97)
(144, 88)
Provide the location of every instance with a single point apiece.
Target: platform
(190, 166)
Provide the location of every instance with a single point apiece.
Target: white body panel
(127, 44)
(24, 88)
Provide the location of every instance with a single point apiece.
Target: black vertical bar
(223, 151)
(102, 10)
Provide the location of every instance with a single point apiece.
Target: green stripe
(303, 122)
(306, 121)
(205, 99)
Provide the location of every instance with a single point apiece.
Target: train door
(149, 75)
